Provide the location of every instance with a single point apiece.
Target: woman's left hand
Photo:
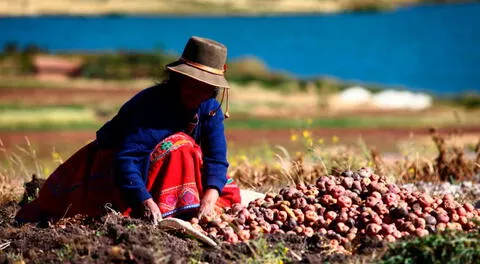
(207, 205)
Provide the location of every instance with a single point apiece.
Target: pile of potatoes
(342, 208)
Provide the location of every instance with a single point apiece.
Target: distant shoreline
(11, 8)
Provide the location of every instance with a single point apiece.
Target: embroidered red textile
(84, 184)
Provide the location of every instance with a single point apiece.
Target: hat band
(203, 67)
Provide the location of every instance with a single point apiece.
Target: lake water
(434, 48)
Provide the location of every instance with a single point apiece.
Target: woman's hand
(151, 211)
(207, 205)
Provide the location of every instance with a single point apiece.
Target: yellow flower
(310, 142)
(294, 137)
(321, 141)
(335, 139)
(309, 121)
(243, 157)
(55, 155)
(411, 170)
(46, 171)
(306, 133)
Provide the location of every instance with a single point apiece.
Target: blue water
(433, 48)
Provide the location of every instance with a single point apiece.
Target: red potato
(266, 227)
(351, 236)
(343, 217)
(231, 238)
(371, 201)
(381, 209)
(341, 228)
(448, 197)
(282, 216)
(420, 223)
(365, 172)
(390, 238)
(330, 215)
(322, 231)
(357, 186)
(338, 191)
(344, 201)
(454, 226)
(377, 220)
(244, 235)
(449, 205)
(374, 177)
(443, 218)
(393, 188)
(441, 227)
(410, 227)
(365, 182)
(308, 232)
(397, 234)
(311, 216)
(469, 207)
(470, 225)
(430, 220)
(298, 230)
(325, 200)
(390, 199)
(461, 211)
(454, 217)
(373, 229)
(420, 232)
(334, 243)
(388, 229)
(309, 207)
(347, 182)
(463, 220)
(341, 208)
(426, 200)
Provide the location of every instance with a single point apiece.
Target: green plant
(448, 247)
(263, 252)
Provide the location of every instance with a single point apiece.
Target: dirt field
(380, 138)
(67, 96)
(116, 239)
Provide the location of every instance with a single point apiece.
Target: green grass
(16, 118)
(20, 83)
(338, 122)
(49, 119)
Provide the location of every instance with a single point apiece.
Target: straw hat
(204, 60)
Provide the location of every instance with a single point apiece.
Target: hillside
(179, 7)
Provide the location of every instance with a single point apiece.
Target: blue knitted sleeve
(214, 149)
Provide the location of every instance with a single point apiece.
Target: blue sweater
(149, 117)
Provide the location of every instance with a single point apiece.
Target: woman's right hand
(151, 211)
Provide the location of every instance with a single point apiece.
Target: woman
(163, 154)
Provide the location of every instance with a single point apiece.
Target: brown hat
(203, 59)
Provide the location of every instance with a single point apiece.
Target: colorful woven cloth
(84, 184)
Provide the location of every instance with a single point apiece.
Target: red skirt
(84, 184)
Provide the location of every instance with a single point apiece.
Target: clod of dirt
(31, 189)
